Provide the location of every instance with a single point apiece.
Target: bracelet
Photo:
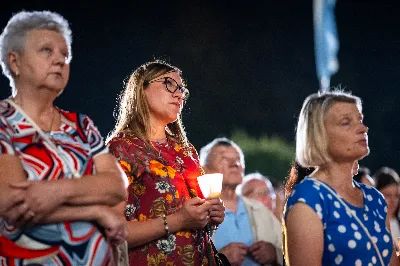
(165, 223)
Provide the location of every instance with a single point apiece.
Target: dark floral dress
(160, 181)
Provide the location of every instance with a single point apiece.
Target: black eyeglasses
(172, 86)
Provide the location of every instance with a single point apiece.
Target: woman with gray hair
(327, 214)
(72, 219)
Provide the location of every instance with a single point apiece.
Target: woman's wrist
(174, 222)
(64, 188)
(97, 212)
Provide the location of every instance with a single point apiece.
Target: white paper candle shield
(210, 185)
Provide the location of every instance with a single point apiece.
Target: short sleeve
(127, 154)
(309, 193)
(93, 136)
(6, 146)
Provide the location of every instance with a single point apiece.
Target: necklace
(52, 119)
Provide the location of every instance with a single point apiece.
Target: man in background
(250, 234)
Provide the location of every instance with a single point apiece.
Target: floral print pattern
(161, 179)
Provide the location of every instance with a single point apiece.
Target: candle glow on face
(210, 185)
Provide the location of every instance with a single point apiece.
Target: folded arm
(44, 197)
(106, 187)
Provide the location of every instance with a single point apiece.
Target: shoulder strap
(45, 138)
(352, 213)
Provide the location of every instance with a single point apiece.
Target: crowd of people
(69, 197)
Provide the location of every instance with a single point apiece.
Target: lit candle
(210, 185)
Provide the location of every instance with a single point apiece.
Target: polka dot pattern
(345, 242)
(386, 238)
(352, 244)
(338, 259)
(342, 229)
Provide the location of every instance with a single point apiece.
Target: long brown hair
(296, 174)
(133, 117)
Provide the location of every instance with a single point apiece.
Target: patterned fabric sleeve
(93, 136)
(116, 148)
(126, 152)
(192, 180)
(309, 193)
(6, 146)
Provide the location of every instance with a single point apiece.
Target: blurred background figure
(387, 182)
(363, 176)
(280, 200)
(259, 187)
(250, 235)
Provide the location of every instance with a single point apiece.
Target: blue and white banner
(326, 42)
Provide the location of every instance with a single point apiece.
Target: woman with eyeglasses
(169, 220)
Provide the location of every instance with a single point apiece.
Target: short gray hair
(12, 39)
(311, 139)
(256, 176)
(206, 150)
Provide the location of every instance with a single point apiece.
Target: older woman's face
(165, 107)
(43, 63)
(347, 135)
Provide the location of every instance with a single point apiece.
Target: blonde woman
(328, 215)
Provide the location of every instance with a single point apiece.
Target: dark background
(248, 65)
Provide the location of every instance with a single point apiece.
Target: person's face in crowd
(392, 197)
(43, 62)
(347, 135)
(165, 106)
(367, 180)
(260, 191)
(226, 160)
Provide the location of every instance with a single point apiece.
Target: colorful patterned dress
(68, 243)
(159, 183)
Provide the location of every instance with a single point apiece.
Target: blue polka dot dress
(345, 242)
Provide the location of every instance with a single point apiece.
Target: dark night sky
(248, 66)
